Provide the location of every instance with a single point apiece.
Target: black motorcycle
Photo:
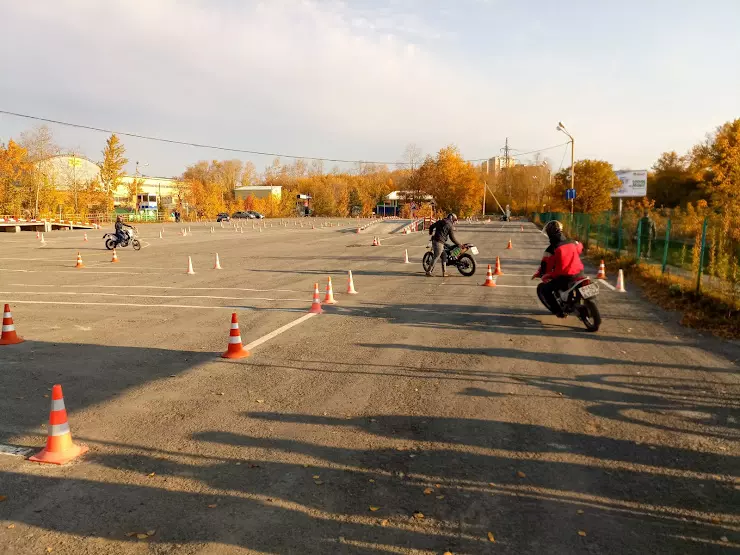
(460, 257)
(130, 236)
(578, 298)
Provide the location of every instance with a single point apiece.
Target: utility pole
(506, 167)
(562, 128)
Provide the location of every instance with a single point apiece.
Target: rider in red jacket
(560, 263)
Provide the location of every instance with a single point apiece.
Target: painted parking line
(83, 303)
(162, 287)
(609, 285)
(272, 334)
(98, 294)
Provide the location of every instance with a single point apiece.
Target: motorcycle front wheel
(426, 261)
(589, 314)
(466, 265)
(110, 244)
(136, 245)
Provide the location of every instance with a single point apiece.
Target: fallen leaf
(3, 498)
(372, 481)
(49, 550)
(212, 506)
(419, 515)
(491, 538)
(724, 539)
(150, 474)
(437, 485)
(131, 534)
(305, 466)
(151, 532)
(318, 482)
(440, 497)
(384, 522)
(238, 464)
(341, 538)
(316, 477)
(219, 393)
(373, 508)
(582, 533)
(428, 491)
(141, 536)
(446, 553)
(580, 511)
(260, 400)
(412, 456)
(173, 375)
(520, 474)
(11, 526)
(46, 396)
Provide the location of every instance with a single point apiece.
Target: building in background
(152, 193)
(66, 172)
(494, 165)
(258, 191)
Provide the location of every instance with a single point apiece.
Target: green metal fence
(695, 247)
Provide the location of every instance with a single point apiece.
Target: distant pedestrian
(647, 234)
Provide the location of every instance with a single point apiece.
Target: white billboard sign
(634, 183)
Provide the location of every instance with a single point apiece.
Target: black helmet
(451, 216)
(553, 228)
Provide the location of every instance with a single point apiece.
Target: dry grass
(713, 311)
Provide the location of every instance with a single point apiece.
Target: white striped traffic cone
(59, 446)
(9, 335)
(190, 267)
(235, 348)
(217, 266)
(406, 257)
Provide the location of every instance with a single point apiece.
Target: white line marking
(79, 272)
(286, 327)
(146, 296)
(231, 308)
(15, 451)
(609, 285)
(163, 287)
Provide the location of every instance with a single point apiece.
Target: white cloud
(328, 73)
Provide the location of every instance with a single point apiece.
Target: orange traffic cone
(602, 271)
(498, 271)
(620, 282)
(235, 348)
(217, 265)
(358, 230)
(489, 279)
(85, 239)
(351, 285)
(9, 336)
(522, 228)
(190, 267)
(115, 256)
(509, 245)
(406, 257)
(79, 261)
(329, 297)
(316, 304)
(59, 446)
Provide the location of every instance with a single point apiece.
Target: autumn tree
(14, 165)
(112, 168)
(672, 182)
(595, 182)
(453, 182)
(39, 186)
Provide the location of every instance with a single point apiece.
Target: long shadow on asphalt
(89, 374)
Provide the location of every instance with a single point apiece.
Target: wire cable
(229, 149)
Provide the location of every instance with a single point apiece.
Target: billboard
(634, 183)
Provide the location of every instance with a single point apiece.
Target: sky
(359, 80)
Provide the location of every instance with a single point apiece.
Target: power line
(223, 148)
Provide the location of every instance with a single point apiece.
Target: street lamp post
(562, 128)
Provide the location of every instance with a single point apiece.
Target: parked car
(222, 217)
(256, 215)
(242, 215)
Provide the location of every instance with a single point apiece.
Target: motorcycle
(131, 236)
(460, 257)
(578, 298)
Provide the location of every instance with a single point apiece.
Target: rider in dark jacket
(560, 263)
(441, 230)
(120, 236)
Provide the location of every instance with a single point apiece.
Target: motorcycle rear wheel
(589, 314)
(466, 265)
(136, 245)
(110, 244)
